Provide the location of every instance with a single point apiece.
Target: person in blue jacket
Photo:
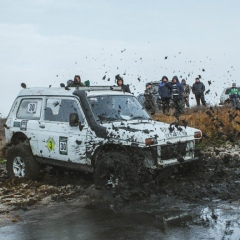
(165, 92)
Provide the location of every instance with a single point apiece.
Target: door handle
(42, 126)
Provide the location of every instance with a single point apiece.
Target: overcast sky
(46, 42)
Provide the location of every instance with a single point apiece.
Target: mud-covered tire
(21, 162)
(115, 169)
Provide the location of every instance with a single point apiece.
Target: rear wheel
(21, 163)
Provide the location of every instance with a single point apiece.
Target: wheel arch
(18, 137)
(114, 147)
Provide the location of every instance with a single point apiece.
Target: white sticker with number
(63, 145)
(32, 107)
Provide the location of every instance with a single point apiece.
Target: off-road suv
(95, 129)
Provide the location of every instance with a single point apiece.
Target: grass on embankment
(218, 124)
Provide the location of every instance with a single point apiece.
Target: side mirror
(74, 121)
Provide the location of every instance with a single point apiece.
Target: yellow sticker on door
(50, 144)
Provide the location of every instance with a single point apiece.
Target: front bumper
(165, 155)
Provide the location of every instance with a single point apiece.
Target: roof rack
(99, 88)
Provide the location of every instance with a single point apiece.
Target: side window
(58, 109)
(30, 109)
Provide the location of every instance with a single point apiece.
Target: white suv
(95, 129)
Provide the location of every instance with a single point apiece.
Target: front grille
(173, 150)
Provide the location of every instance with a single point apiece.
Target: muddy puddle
(88, 219)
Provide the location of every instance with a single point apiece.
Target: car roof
(61, 91)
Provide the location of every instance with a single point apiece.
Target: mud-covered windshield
(117, 108)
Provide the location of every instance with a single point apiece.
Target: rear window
(30, 109)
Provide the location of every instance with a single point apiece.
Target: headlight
(150, 141)
(198, 134)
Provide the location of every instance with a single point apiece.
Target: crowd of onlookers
(174, 91)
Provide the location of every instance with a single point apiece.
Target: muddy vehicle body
(95, 129)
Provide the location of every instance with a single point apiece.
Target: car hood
(138, 131)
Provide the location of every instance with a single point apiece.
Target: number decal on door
(63, 147)
(32, 107)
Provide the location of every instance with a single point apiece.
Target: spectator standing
(187, 90)
(234, 95)
(165, 91)
(150, 100)
(198, 89)
(125, 88)
(177, 95)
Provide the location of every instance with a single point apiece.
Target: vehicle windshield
(117, 108)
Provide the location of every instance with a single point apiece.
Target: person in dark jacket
(76, 82)
(125, 88)
(198, 89)
(178, 97)
(165, 92)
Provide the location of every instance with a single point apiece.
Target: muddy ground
(216, 176)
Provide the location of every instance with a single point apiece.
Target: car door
(57, 139)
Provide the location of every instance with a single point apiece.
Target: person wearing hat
(125, 88)
(198, 89)
(234, 95)
(165, 93)
(177, 96)
(150, 101)
(187, 90)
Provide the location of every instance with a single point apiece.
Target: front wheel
(116, 169)
(21, 163)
